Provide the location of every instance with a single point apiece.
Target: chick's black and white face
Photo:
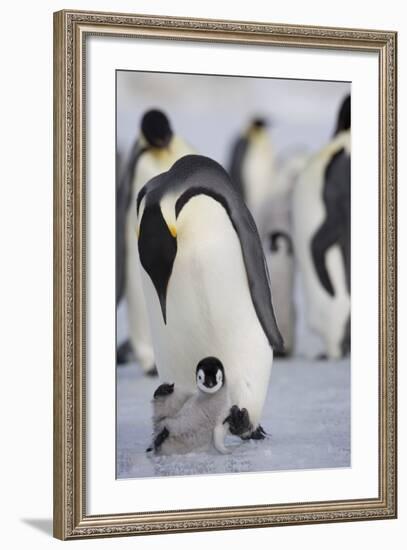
(209, 376)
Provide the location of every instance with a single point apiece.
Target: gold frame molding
(70, 31)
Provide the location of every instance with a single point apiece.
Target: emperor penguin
(197, 422)
(275, 227)
(251, 166)
(154, 151)
(321, 222)
(206, 282)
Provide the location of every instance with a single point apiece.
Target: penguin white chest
(209, 277)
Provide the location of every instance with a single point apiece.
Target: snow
(307, 415)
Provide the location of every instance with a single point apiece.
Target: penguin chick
(201, 420)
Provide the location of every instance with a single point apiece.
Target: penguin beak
(157, 245)
(173, 230)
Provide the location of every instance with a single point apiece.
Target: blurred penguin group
(301, 205)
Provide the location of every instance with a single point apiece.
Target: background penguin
(195, 423)
(206, 281)
(252, 165)
(321, 216)
(156, 149)
(275, 226)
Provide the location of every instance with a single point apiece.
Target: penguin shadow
(45, 525)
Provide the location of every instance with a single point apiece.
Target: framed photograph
(225, 274)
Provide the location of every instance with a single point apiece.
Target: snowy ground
(307, 414)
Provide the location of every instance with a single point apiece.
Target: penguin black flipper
(256, 270)
(160, 438)
(163, 390)
(336, 227)
(200, 175)
(324, 238)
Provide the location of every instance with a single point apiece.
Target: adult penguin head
(257, 125)
(343, 122)
(259, 122)
(156, 129)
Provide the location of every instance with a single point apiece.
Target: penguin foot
(161, 437)
(257, 434)
(239, 421)
(152, 371)
(164, 389)
(124, 353)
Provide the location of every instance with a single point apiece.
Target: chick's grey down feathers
(185, 423)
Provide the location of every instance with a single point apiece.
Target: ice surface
(307, 415)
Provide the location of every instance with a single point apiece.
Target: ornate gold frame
(70, 31)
